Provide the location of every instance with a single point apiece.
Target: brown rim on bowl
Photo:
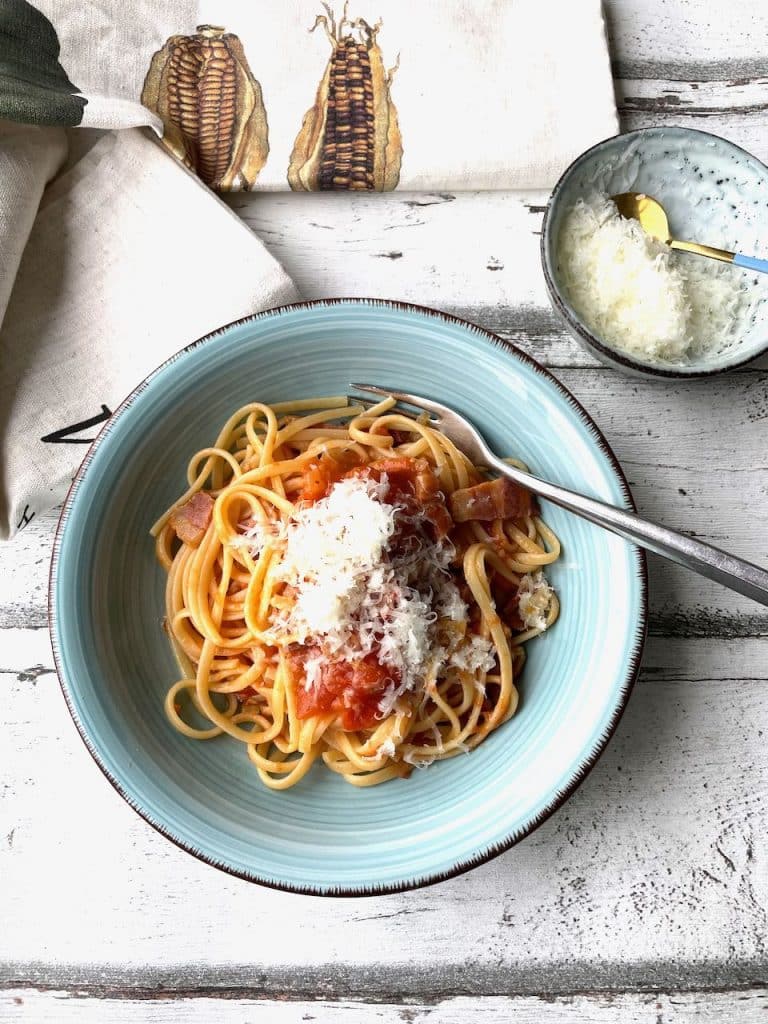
(633, 665)
(590, 340)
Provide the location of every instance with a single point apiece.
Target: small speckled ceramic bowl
(713, 192)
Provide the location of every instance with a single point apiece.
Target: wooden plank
(736, 110)
(24, 566)
(475, 255)
(693, 39)
(736, 99)
(476, 251)
(654, 875)
(27, 1006)
(687, 473)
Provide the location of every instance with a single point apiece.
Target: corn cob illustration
(211, 106)
(350, 138)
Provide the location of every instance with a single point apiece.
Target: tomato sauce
(350, 689)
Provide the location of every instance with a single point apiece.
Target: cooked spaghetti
(345, 586)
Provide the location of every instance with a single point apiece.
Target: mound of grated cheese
(640, 297)
(354, 596)
(332, 547)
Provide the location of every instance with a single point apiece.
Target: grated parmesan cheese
(475, 654)
(313, 666)
(639, 296)
(387, 749)
(331, 547)
(257, 535)
(351, 596)
(449, 604)
(534, 599)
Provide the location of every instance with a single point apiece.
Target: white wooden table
(645, 899)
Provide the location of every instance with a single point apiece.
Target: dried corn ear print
(211, 106)
(350, 138)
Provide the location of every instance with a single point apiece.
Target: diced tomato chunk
(351, 689)
(413, 485)
(246, 693)
(323, 472)
(397, 464)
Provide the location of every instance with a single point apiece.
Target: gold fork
(735, 573)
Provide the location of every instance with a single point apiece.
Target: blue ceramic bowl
(713, 192)
(324, 836)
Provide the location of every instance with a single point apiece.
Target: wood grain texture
(654, 875)
(696, 40)
(26, 1006)
(736, 109)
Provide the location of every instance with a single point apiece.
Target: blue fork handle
(750, 263)
(737, 259)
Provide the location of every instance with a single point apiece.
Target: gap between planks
(735, 1006)
(317, 991)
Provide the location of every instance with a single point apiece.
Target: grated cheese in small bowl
(638, 296)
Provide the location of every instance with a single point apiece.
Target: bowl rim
(510, 838)
(584, 335)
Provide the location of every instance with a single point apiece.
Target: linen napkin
(380, 94)
(125, 259)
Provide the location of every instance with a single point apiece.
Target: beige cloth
(126, 259)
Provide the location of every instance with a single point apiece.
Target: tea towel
(122, 260)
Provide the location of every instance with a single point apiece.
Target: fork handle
(735, 573)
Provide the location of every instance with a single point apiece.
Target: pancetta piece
(190, 520)
(494, 499)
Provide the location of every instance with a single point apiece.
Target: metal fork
(741, 576)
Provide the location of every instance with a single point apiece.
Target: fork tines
(412, 403)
